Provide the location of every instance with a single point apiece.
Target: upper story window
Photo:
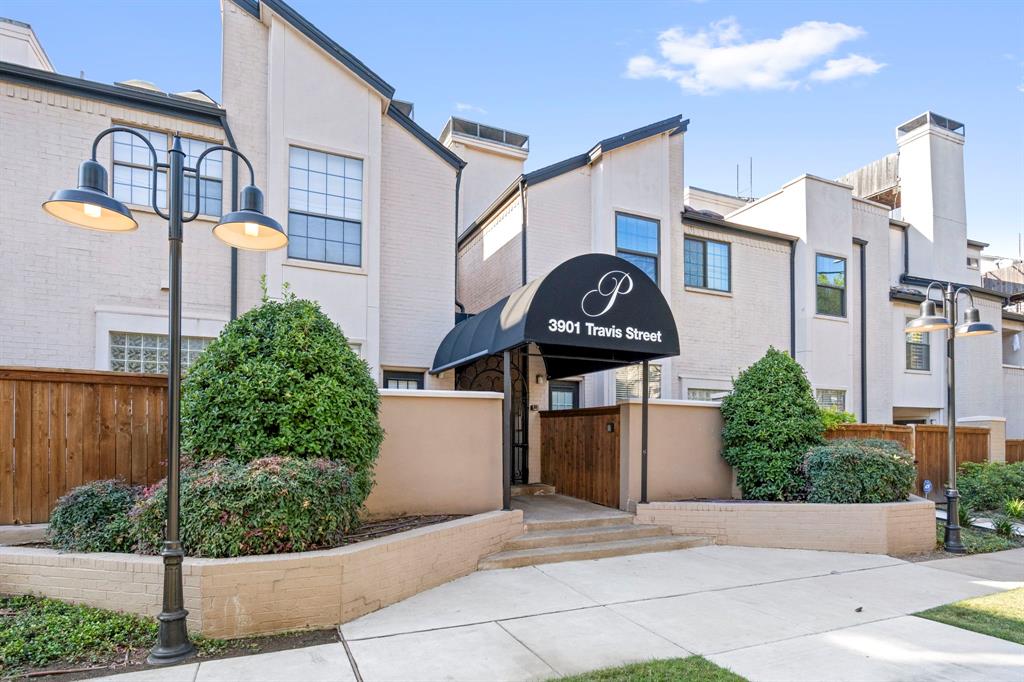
(972, 262)
(629, 381)
(918, 350)
(831, 399)
(404, 380)
(325, 207)
(830, 277)
(706, 264)
(636, 240)
(133, 171)
(150, 353)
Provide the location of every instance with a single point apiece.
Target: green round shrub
(833, 419)
(281, 380)
(267, 506)
(94, 518)
(987, 486)
(859, 471)
(771, 420)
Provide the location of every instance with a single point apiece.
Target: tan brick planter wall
(274, 593)
(893, 528)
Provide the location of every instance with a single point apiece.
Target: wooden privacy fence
(1015, 451)
(928, 444)
(62, 428)
(580, 453)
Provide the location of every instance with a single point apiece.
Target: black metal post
(951, 539)
(506, 432)
(173, 644)
(643, 433)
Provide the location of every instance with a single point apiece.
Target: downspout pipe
(234, 207)
(458, 185)
(792, 300)
(522, 203)
(863, 329)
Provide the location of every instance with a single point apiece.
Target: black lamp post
(930, 321)
(91, 207)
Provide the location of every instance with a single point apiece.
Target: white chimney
(19, 45)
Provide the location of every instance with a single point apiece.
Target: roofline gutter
(914, 280)
(746, 230)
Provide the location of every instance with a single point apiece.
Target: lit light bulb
(92, 210)
(252, 230)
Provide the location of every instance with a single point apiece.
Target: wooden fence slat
(90, 434)
(153, 430)
(58, 446)
(1014, 450)
(106, 397)
(7, 451)
(140, 451)
(40, 451)
(23, 453)
(123, 434)
(75, 428)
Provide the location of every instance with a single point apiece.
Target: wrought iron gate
(486, 375)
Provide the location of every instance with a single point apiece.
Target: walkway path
(766, 614)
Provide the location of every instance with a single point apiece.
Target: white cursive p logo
(609, 287)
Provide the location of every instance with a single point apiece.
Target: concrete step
(576, 536)
(591, 550)
(532, 489)
(581, 521)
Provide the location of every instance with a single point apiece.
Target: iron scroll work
(591, 313)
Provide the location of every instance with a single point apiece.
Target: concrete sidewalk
(766, 614)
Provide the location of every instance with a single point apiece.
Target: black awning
(590, 313)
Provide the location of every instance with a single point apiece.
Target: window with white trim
(918, 350)
(403, 380)
(831, 399)
(325, 207)
(830, 279)
(150, 353)
(706, 394)
(630, 379)
(133, 171)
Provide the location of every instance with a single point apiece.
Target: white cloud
(471, 108)
(852, 65)
(717, 57)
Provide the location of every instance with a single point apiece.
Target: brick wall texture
(268, 594)
(893, 528)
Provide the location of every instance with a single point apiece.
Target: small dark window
(706, 264)
(565, 395)
(830, 276)
(411, 381)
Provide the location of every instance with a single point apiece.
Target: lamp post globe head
(90, 206)
(972, 324)
(928, 320)
(249, 228)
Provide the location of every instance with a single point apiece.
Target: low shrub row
(859, 471)
(228, 508)
(989, 486)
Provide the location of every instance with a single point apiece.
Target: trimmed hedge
(268, 506)
(859, 471)
(987, 486)
(771, 419)
(282, 381)
(94, 518)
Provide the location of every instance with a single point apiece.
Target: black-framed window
(830, 279)
(637, 240)
(919, 356)
(132, 171)
(563, 395)
(707, 264)
(405, 380)
(325, 207)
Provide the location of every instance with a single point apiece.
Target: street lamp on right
(930, 321)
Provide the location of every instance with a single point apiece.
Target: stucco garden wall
(889, 528)
(273, 593)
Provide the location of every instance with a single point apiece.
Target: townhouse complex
(398, 234)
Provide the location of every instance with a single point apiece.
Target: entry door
(564, 395)
(486, 374)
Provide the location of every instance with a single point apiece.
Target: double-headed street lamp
(930, 321)
(91, 207)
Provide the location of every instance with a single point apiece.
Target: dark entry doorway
(485, 374)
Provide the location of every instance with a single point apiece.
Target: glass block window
(830, 276)
(831, 399)
(404, 380)
(706, 264)
(630, 379)
(636, 240)
(325, 207)
(918, 350)
(706, 394)
(133, 171)
(150, 353)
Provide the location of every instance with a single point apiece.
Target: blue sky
(800, 86)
